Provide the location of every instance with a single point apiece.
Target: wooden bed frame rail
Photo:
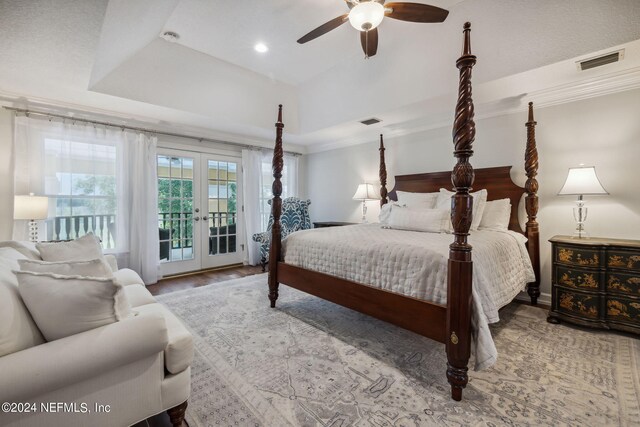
(450, 324)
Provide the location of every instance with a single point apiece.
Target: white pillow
(28, 249)
(85, 248)
(92, 268)
(67, 305)
(18, 331)
(429, 220)
(417, 200)
(479, 201)
(496, 215)
(385, 212)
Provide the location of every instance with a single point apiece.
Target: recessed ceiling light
(261, 47)
(170, 36)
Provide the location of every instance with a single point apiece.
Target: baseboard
(191, 273)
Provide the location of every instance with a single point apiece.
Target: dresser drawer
(623, 259)
(577, 303)
(574, 255)
(589, 280)
(623, 309)
(623, 283)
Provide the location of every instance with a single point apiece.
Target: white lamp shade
(366, 15)
(582, 180)
(366, 192)
(30, 207)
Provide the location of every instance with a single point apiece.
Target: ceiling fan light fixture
(366, 15)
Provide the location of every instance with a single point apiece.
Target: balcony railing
(72, 227)
(103, 226)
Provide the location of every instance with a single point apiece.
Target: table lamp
(32, 208)
(581, 181)
(365, 192)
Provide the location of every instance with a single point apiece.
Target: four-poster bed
(449, 323)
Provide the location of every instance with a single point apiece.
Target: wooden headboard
(497, 181)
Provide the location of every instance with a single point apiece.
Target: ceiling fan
(366, 15)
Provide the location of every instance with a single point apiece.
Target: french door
(199, 221)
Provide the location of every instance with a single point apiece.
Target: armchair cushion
(138, 295)
(178, 353)
(127, 277)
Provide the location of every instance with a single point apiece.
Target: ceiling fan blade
(324, 28)
(369, 41)
(416, 12)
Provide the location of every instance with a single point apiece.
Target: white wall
(603, 131)
(6, 174)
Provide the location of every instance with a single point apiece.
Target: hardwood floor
(190, 281)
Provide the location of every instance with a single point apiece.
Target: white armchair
(114, 375)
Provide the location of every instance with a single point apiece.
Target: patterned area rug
(313, 363)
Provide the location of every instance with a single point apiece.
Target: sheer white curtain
(252, 185)
(290, 176)
(98, 179)
(138, 204)
(258, 179)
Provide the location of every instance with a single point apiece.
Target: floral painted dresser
(596, 282)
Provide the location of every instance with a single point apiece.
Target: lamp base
(580, 215)
(33, 231)
(364, 212)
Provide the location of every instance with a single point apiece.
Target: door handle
(196, 218)
(204, 218)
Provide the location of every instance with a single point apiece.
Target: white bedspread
(415, 264)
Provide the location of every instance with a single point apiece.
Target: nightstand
(323, 224)
(596, 282)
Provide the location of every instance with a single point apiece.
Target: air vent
(371, 121)
(601, 60)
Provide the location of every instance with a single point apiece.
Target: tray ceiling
(108, 56)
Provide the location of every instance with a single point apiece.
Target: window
(175, 207)
(80, 180)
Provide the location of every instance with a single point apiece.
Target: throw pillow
(496, 215)
(85, 248)
(429, 220)
(479, 201)
(18, 331)
(28, 249)
(385, 211)
(92, 268)
(417, 200)
(67, 305)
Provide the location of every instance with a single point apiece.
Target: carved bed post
(531, 205)
(458, 338)
(383, 175)
(275, 251)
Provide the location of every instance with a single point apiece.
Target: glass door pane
(176, 201)
(223, 185)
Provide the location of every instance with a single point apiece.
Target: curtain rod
(134, 128)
